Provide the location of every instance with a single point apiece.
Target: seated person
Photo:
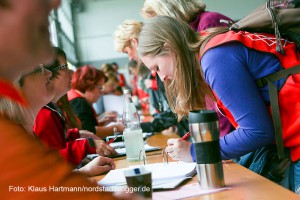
(50, 123)
(87, 86)
(38, 89)
(111, 91)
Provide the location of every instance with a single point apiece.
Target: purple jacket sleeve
(231, 71)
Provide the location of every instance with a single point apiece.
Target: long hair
(185, 10)
(188, 90)
(72, 121)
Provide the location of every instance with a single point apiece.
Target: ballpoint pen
(186, 136)
(114, 138)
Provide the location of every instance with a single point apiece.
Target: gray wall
(235, 9)
(96, 23)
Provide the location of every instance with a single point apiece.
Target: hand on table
(98, 165)
(120, 127)
(179, 149)
(107, 117)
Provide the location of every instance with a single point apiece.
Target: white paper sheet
(172, 174)
(120, 149)
(113, 103)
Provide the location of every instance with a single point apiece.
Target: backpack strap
(275, 24)
(210, 37)
(273, 93)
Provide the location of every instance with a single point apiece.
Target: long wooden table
(244, 183)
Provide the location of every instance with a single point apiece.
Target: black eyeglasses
(36, 70)
(59, 67)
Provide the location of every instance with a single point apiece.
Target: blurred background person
(121, 77)
(112, 98)
(107, 68)
(87, 86)
(140, 95)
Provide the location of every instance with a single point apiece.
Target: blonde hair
(106, 68)
(188, 91)
(112, 79)
(185, 10)
(13, 111)
(127, 30)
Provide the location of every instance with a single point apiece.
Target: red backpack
(281, 18)
(284, 101)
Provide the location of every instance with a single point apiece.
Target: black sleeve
(85, 113)
(160, 122)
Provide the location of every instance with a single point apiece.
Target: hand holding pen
(179, 148)
(108, 147)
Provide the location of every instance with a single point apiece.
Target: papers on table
(164, 176)
(120, 137)
(117, 145)
(120, 149)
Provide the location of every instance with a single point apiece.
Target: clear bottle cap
(126, 91)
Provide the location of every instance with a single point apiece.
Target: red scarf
(8, 90)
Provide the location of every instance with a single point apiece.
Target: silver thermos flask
(204, 129)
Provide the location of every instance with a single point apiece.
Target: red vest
(72, 94)
(289, 94)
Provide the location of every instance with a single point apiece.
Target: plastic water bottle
(133, 135)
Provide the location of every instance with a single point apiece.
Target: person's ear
(167, 46)
(134, 42)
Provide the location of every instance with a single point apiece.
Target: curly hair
(127, 30)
